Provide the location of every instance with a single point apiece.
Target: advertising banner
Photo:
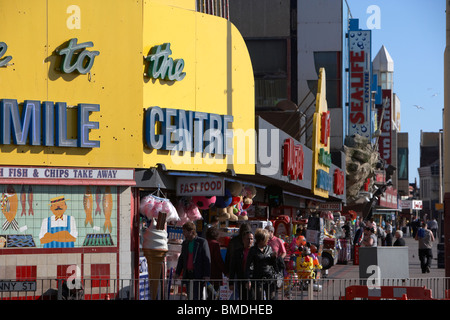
(359, 116)
(385, 139)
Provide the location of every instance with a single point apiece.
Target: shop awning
(386, 211)
(154, 178)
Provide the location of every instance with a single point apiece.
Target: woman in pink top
(276, 243)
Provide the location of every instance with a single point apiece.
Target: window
(403, 164)
(214, 7)
(386, 80)
(100, 275)
(270, 67)
(331, 61)
(425, 188)
(25, 273)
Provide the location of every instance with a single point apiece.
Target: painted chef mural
(41, 216)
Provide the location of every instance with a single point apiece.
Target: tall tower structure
(383, 67)
(388, 112)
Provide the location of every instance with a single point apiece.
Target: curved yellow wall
(219, 79)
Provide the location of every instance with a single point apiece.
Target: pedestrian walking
(238, 269)
(261, 267)
(359, 234)
(399, 241)
(425, 238)
(233, 245)
(389, 235)
(381, 236)
(217, 264)
(433, 227)
(194, 261)
(369, 238)
(415, 225)
(276, 243)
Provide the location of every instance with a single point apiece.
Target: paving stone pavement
(351, 271)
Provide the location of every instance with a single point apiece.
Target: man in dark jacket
(238, 268)
(399, 242)
(194, 261)
(234, 245)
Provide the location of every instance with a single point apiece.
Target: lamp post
(441, 194)
(446, 138)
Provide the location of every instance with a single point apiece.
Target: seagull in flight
(418, 107)
(434, 95)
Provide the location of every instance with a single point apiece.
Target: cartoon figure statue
(59, 230)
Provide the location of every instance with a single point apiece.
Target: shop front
(198, 133)
(284, 174)
(298, 187)
(64, 223)
(387, 210)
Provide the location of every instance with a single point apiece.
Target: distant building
(288, 41)
(388, 120)
(429, 173)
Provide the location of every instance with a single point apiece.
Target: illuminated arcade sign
(293, 160)
(321, 181)
(339, 182)
(191, 131)
(359, 82)
(45, 124)
(385, 139)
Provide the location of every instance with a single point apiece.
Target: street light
(441, 198)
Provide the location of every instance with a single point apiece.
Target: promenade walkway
(351, 271)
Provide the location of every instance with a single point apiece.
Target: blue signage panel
(191, 131)
(51, 131)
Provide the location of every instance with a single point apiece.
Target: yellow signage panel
(217, 83)
(320, 182)
(36, 32)
(84, 84)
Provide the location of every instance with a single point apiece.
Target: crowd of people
(251, 263)
(253, 260)
(369, 234)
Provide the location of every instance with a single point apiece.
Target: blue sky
(413, 32)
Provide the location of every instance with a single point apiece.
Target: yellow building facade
(219, 77)
(92, 91)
